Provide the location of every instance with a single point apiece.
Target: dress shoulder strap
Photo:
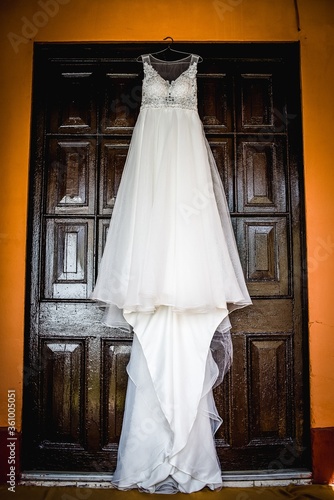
(194, 58)
(145, 58)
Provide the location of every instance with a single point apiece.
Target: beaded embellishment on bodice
(160, 93)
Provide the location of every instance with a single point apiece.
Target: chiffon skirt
(171, 272)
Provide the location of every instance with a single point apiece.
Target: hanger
(172, 50)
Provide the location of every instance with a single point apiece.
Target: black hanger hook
(170, 38)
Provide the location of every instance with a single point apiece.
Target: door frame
(254, 51)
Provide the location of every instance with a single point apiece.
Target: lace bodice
(159, 92)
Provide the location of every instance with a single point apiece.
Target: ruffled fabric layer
(170, 241)
(170, 416)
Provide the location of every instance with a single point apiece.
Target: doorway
(86, 99)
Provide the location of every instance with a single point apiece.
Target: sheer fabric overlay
(171, 272)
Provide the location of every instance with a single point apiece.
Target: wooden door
(85, 104)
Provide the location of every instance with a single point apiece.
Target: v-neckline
(171, 82)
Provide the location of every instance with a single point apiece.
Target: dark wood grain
(86, 101)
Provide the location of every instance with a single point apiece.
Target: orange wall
(186, 20)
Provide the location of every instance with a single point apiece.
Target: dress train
(170, 415)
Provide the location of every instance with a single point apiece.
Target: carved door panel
(86, 102)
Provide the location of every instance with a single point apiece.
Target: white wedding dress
(171, 272)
